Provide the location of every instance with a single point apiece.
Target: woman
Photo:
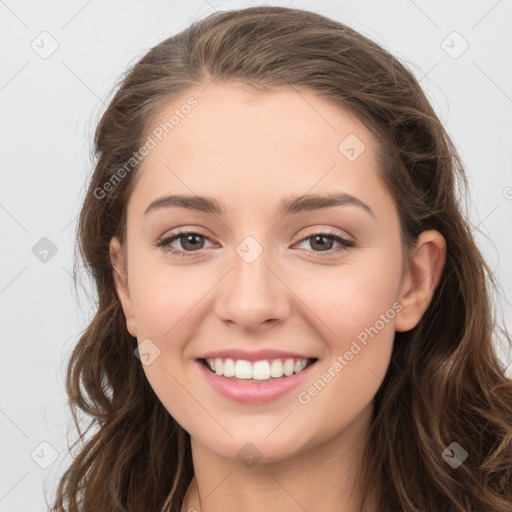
(293, 313)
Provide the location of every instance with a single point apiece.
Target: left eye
(317, 240)
(190, 241)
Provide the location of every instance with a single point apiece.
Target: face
(258, 284)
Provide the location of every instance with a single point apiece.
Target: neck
(320, 478)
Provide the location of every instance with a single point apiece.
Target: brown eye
(323, 242)
(191, 241)
(187, 242)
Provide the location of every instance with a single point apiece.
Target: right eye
(185, 238)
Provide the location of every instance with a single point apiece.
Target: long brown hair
(445, 382)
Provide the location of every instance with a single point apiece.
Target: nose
(253, 293)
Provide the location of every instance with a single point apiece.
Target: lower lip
(253, 392)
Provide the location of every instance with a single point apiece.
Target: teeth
(276, 368)
(259, 370)
(300, 365)
(229, 368)
(288, 367)
(243, 369)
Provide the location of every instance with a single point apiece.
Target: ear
(118, 259)
(426, 266)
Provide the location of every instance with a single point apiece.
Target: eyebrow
(287, 206)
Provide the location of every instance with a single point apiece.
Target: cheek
(353, 297)
(164, 312)
(164, 298)
(359, 306)
(167, 302)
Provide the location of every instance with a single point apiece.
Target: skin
(249, 150)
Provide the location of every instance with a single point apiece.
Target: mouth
(263, 371)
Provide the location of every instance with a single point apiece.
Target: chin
(251, 446)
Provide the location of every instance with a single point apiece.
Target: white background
(49, 108)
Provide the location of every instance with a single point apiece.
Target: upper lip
(254, 355)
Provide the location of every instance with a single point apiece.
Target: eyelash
(164, 243)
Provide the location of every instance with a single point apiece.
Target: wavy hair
(444, 383)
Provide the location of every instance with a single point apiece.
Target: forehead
(242, 145)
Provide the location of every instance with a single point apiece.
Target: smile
(257, 382)
(258, 371)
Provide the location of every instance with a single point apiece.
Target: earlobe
(426, 266)
(121, 284)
